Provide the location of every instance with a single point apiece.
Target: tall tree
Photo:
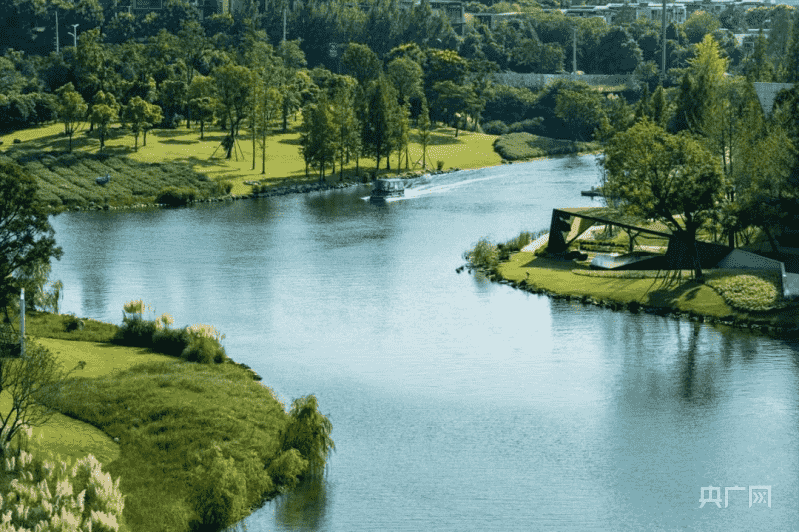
(672, 178)
(105, 110)
(318, 136)
(141, 116)
(379, 124)
(201, 95)
(26, 236)
(233, 87)
(71, 110)
(424, 131)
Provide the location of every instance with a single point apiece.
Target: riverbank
(190, 441)
(176, 167)
(676, 295)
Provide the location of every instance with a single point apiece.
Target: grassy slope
(284, 163)
(161, 409)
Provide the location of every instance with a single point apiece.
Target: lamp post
(74, 34)
(56, 31)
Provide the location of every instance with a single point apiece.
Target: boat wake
(428, 184)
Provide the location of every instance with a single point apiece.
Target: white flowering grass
(83, 498)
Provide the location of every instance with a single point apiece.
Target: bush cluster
(197, 343)
(483, 255)
(176, 196)
(46, 494)
(755, 292)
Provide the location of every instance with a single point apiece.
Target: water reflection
(304, 507)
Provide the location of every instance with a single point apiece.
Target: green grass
(557, 276)
(48, 325)
(521, 146)
(163, 162)
(165, 414)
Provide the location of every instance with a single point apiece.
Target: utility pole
(56, 30)
(74, 34)
(574, 51)
(663, 39)
(22, 324)
(284, 23)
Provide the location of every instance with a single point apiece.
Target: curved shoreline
(304, 188)
(778, 323)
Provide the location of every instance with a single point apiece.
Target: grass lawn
(284, 163)
(557, 276)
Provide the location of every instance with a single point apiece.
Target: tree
(105, 110)
(26, 236)
(699, 88)
(318, 136)
(141, 116)
(309, 433)
(700, 24)
(269, 103)
(233, 87)
(71, 110)
(380, 120)
(361, 63)
(424, 131)
(32, 382)
(193, 45)
(202, 101)
(672, 178)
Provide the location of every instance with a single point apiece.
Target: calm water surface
(458, 404)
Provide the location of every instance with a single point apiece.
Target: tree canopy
(672, 178)
(26, 236)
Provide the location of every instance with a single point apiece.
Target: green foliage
(26, 236)
(521, 146)
(699, 25)
(176, 196)
(288, 467)
(46, 325)
(751, 292)
(484, 255)
(71, 110)
(309, 433)
(135, 332)
(172, 342)
(168, 462)
(204, 350)
(220, 491)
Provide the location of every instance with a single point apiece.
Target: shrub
(135, 332)
(223, 188)
(309, 433)
(439, 165)
(73, 323)
(495, 127)
(286, 469)
(204, 350)
(483, 255)
(176, 196)
(172, 342)
(220, 491)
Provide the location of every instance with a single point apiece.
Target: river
(456, 403)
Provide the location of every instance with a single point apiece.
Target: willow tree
(309, 432)
(672, 178)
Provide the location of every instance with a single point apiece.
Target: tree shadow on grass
(174, 141)
(292, 142)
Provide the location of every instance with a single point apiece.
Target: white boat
(387, 188)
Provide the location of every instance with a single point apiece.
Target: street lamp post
(74, 34)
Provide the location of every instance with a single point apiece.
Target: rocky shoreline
(736, 320)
